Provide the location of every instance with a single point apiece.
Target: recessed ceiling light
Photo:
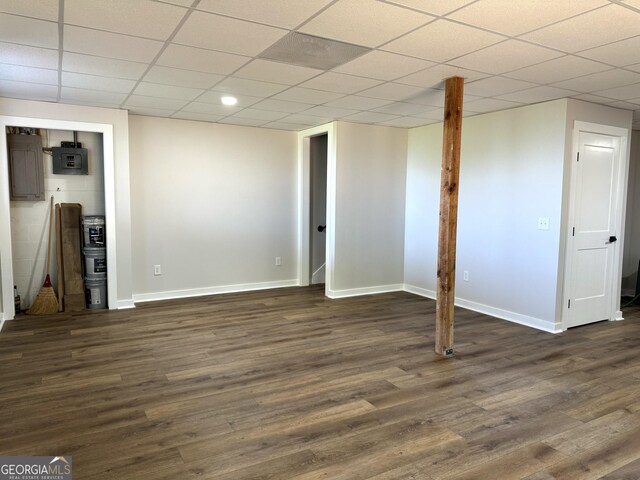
(229, 100)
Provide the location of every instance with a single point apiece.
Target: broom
(46, 302)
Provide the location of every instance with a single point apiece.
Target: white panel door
(593, 232)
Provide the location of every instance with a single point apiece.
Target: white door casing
(592, 280)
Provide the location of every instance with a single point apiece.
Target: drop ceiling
(176, 58)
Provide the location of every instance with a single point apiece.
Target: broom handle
(49, 238)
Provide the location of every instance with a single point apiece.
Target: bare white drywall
(213, 205)
(30, 220)
(511, 174)
(116, 121)
(370, 204)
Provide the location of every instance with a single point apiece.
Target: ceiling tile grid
(176, 58)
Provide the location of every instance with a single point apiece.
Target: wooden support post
(448, 215)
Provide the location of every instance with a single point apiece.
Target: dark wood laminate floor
(286, 384)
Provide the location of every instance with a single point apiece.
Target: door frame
(618, 247)
(109, 202)
(304, 203)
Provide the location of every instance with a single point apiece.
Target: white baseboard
(199, 292)
(514, 317)
(355, 292)
(1, 324)
(124, 304)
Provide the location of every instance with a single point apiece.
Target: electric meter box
(70, 161)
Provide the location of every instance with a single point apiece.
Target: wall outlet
(278, 261)
(465, 275)
(157, 270)
(543, 223)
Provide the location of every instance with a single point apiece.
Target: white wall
(510, 175)
(29, 220)
(370, 203)
(116, 121)
(632, 232)
(213, 205)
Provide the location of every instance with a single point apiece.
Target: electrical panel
(26, 168)
(70, 161)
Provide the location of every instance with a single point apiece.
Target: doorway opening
(316, 214)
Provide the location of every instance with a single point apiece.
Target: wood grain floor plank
(286, 383)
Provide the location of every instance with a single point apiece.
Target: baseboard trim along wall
(1, 324)
(199, 292)
(124, 304)
(514, 317)
(355, 292)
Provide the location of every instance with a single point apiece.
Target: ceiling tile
(340, 83)
(305, 95)
(20, 73)
(358, 103)
(364, 22)
(282, 106)
(249, 87)
(429, 96)
(490, 105)
(600, 81)
(259, 114)
(282, 13)
(628, 92)
(81, 94)
(493, 86)
(28, 31)
(402, 108)
(110, 45)
(9, 88)
(558, 69)
(592, 29)
(13, 54)
(369, 117)
(106, 67)
(308, 120)
(245, 122)
(201, 60)
(443, 40)
(383, 65)
(434, 7)
(622, 53)
(87, 102)
(537, 95)
(434, 77)
(214, 96)
(93, 82)
(182, 3)
(517, 17)
(150, 111)
(505, 57)
(142, 18)
(225, 34)
(334, 112)
(588, 97)
(181, 78)
(635, 68)
(167, 91)
(404, 122)
(285, 126)
(155, 102)
(392, 91)
(43, 9)
(626, 105)
(268, 71)
(211, 109)
(201, 117)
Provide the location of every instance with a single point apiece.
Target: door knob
(321, 228)
(612, 238)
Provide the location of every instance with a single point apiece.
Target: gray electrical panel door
(26, 169)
